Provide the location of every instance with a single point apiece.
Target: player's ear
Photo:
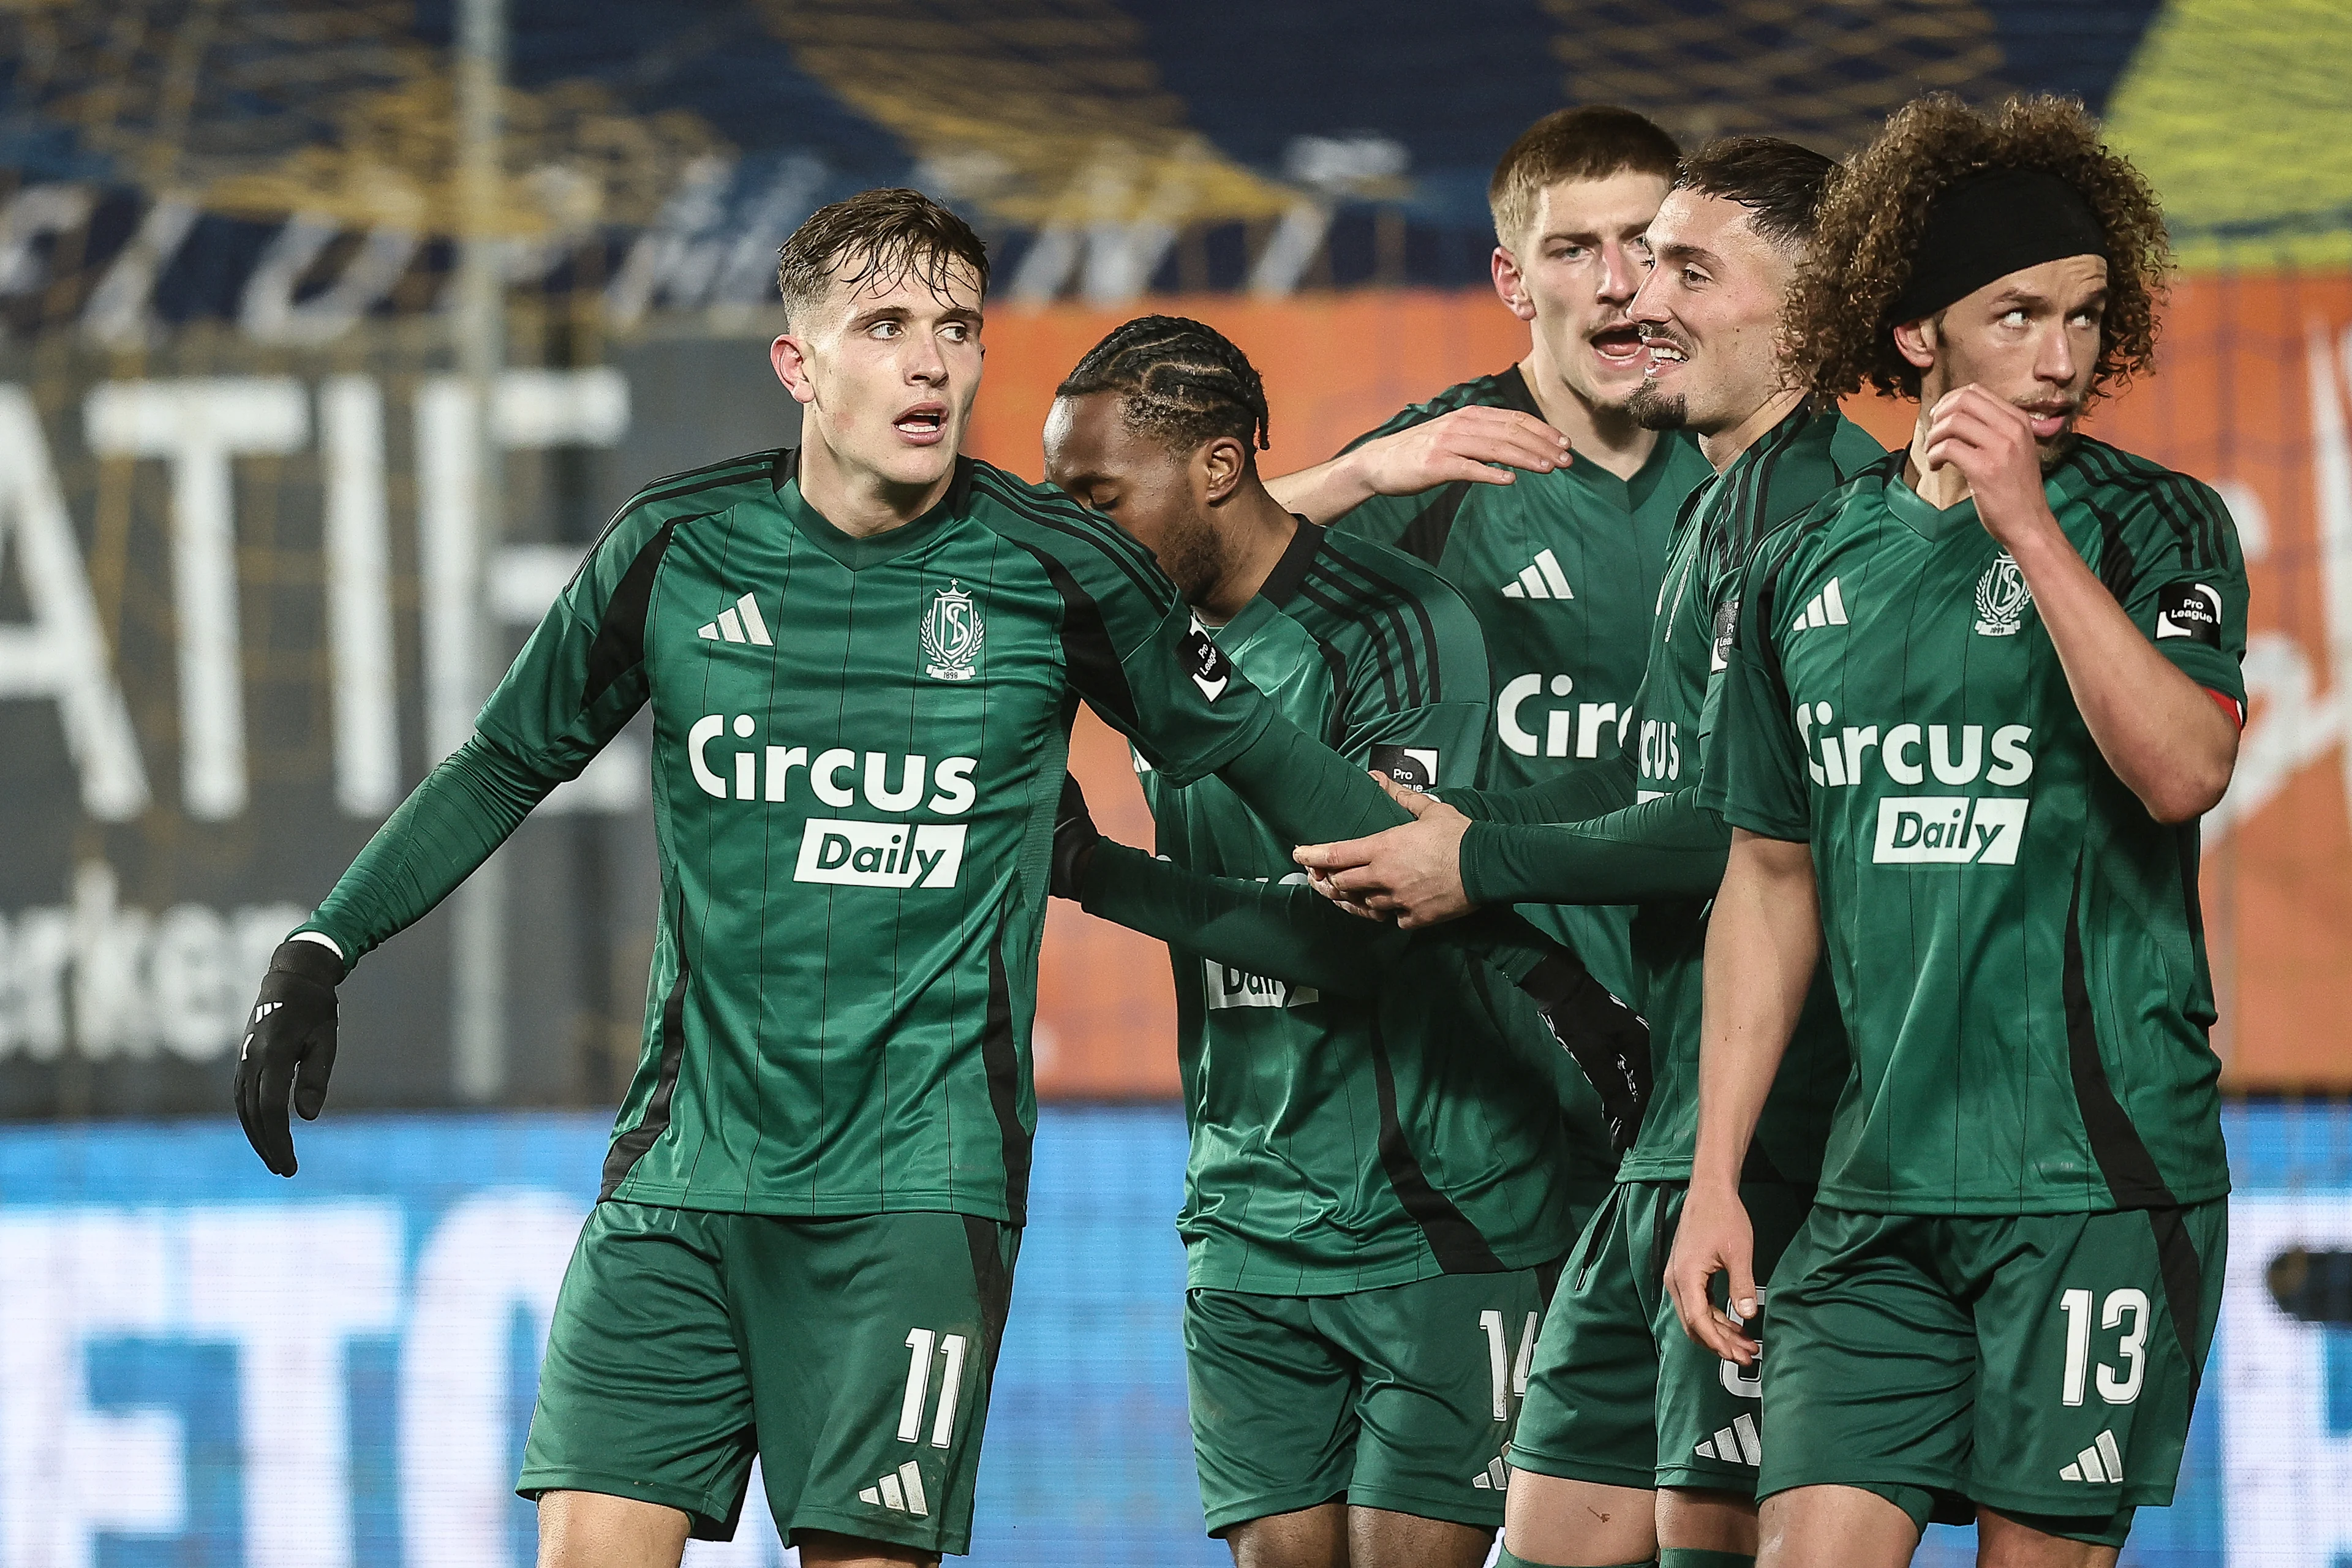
(1511, 285)
(1218, 468)
(789, 354)
(1916, 341)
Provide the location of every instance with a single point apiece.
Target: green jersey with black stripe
(1305, 1176)
(858, 748)
(2014, 941)
(1784, 472)
(1562, 571)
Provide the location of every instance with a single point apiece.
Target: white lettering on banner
(533, 408)
(117, 981)
(495, 1253)
(2286, 1470)
(849, 853)
(199, 426)
(1576, 730)
(69, 1473)
(289, 1284)
(1956, 831)
(359, 611)
(59, 655)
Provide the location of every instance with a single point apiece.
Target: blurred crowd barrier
(205, 1367)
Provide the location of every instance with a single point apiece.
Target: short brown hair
(884, 233)
(1837, 324)
(1588, 143)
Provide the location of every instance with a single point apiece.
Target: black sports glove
(288, 1046)
(1609, 1042)
(1075, 837)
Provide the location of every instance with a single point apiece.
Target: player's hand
(288, 1049)
(1991, 442)
(1411, 873)
(1075, 837)
(1715, 1237)
(1481, 445)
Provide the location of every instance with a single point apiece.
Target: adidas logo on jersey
(1827, 608)
(900, 1492)
(1738, 1443)
(740, 622)
(1542, 580)
(2101, 1464)
(1497, 1476)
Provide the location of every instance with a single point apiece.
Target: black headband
(1987, 226)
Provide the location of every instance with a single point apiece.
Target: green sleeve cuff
(1594, 789)
(1666, 848)
(1285, 931)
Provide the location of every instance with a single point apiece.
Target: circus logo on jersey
(2001, 598)
(953, 631)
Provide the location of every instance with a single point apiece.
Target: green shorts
(853, 1356)
(1399, 1398)
(1619, 1394)
(2041, 1365)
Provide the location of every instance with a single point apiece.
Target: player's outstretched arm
(1763, 942)
(448, 826)
(1267, 928)
(1445, 863)
(2167, 738)
(1481, 445)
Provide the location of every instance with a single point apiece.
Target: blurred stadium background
(330, 333)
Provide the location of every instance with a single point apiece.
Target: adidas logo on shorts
(1737, 1444)
(2100, 1464)
(900, 1492)
(1495, 1478)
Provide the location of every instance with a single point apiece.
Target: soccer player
(1976, 701)
(1366, 1211)
(1561, 560)
(1621, 1399)
(861, 657)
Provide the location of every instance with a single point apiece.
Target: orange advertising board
(2253, 393)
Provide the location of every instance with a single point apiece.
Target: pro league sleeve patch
(2191, 610)
(1415, 767)
(1206, 663)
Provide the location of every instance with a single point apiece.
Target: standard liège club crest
(2001, 598)
(951, 634)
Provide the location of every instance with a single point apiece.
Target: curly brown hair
(1835, 327)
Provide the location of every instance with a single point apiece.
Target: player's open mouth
(923, 424)
(1619, 346)
(2049, 418)
(1664, 352)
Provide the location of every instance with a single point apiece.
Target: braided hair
(1183, 382)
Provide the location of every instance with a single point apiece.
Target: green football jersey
(858, 748)
(1783, 473)
(1304, 1177)
(1563, 570)
(2015, 942)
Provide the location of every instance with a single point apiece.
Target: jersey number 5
(921, 1344)
(2119, 1304)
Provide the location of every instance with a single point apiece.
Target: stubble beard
(1655, 410)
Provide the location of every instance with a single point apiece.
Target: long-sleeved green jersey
(1312, 1116)
(1662, 849)
(1562, 571)
(2015, 941)
(858, 746)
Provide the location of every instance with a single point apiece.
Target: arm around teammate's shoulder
(1477, 444)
